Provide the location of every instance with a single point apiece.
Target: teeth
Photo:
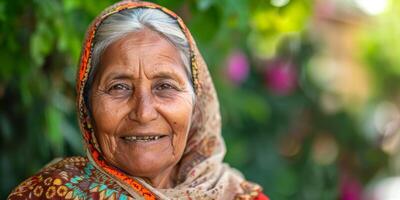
(142, 138)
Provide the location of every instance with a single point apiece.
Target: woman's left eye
(165, 86)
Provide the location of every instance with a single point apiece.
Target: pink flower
(281, 77)
(350, 188)
(238, 67)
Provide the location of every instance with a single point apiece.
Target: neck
(163, 180)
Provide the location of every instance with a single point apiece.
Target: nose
(143, 110)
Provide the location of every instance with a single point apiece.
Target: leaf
(53, 127)
(41, 43)
(3, 16)
(5, 127)
(204, 4)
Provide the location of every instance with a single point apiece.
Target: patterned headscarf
(202, 173)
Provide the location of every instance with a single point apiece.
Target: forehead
(145, 48)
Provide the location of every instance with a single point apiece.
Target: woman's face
(142, 106)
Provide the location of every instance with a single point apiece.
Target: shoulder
(69, 178)
(51, 181)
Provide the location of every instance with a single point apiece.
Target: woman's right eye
(119, 89)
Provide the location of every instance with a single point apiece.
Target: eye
(119, 87)
(165, 86)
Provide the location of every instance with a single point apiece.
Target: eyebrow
(167, 75)
(153, 75)
(115, 76)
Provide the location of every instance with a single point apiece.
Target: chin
(148, 164)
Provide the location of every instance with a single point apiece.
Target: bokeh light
(372, 7)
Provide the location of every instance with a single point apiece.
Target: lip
(143, 137)
(142, 134)
(144, 142)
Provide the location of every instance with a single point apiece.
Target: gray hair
(118, 25)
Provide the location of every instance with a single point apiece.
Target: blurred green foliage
(276, 139)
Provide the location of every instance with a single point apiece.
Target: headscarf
(201, 173)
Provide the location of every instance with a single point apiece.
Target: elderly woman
(149, 116)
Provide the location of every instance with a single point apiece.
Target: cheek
(178, 113)
(107, 114)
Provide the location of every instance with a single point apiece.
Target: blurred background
(308, 89)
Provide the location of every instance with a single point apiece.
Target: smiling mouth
(142, 138)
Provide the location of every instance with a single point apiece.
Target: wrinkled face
(142, 105)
